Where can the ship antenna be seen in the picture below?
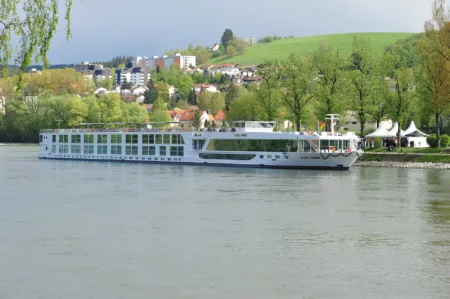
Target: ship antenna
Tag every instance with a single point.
(332, 118)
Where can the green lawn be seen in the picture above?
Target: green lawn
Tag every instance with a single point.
(281, 49)
(427, 150)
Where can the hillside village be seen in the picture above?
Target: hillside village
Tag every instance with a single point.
(132, 80)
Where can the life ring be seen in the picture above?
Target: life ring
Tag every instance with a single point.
(331, 148)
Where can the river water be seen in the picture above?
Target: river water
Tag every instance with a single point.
(110, 230)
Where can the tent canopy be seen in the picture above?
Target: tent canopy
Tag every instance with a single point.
(380, 132)
(412, 131)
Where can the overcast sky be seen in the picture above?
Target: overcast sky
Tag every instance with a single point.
(102, 29)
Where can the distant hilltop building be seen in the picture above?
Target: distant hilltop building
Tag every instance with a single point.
(90, 70)
(184, 62)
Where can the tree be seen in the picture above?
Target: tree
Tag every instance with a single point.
(162, 91)
(185, 84)
(269, 92)
(434, 72)
(400, 100)
(362, 78)
(329, 90)
(192, 97)
(241, 46)
(231, 51)
(298, 86)
(151, 94)
(126, 85)
(197, 121)
(227, 37)
(231, 94)
(245, 107)
(34, 24)
(212, 101)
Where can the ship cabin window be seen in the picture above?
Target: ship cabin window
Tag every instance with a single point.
(54, 149)
(102, 149)
(132, 139)
(148, 139)
(177, 139)
(162, 150)
(148, 150)
(54, 138)
(131, 150)
(102, 139)
(116, 150)
(63, 139)
(176, 151)
(116, 139)
(76, 138)
(227, 156)
(250, 145)
(89, 149)
(89, 139)
(166, 139)
(63, 148)
(75, 149)
(158, 139)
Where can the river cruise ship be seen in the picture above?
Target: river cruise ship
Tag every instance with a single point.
(244, 144)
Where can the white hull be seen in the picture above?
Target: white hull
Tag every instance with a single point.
(288, 150)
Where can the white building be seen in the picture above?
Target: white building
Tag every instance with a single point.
(138, 76)
(183, 61)
(206, 87)
(230, 71)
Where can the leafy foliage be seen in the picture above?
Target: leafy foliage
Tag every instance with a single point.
(227, 37)
(34, 23)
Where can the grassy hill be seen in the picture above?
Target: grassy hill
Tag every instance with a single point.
(281, 49)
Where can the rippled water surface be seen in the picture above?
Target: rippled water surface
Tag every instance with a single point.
(109, 230)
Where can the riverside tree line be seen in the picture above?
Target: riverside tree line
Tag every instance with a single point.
(302, 89)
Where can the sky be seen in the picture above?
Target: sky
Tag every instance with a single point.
(102, 29)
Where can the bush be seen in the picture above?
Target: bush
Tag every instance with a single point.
(445, 140)
(432, 140)
(377, 142)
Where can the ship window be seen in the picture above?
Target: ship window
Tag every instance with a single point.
(250, 145)
(227, 156)
(116, 150)
(148, 139)
(63, 148)
(63, 139)
(116, 139)
(132, 139)
(148, 150)
(162, 150)
(102, 149)
(176, 151)
(76, 138)
(131, 150)
(166, 139)
(75, 149)
(159, 139)
(54, 148)
(102, 139)
(88, 149)
(54, 138)
(89, 139)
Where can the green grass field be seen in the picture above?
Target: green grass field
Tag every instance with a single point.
(281, 49)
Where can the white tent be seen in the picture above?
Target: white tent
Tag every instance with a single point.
(380, 132)
(393, 132)
(412, 131)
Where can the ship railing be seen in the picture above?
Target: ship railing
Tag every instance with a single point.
(115, 130)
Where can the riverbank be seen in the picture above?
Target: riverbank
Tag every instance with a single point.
(405, 160)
